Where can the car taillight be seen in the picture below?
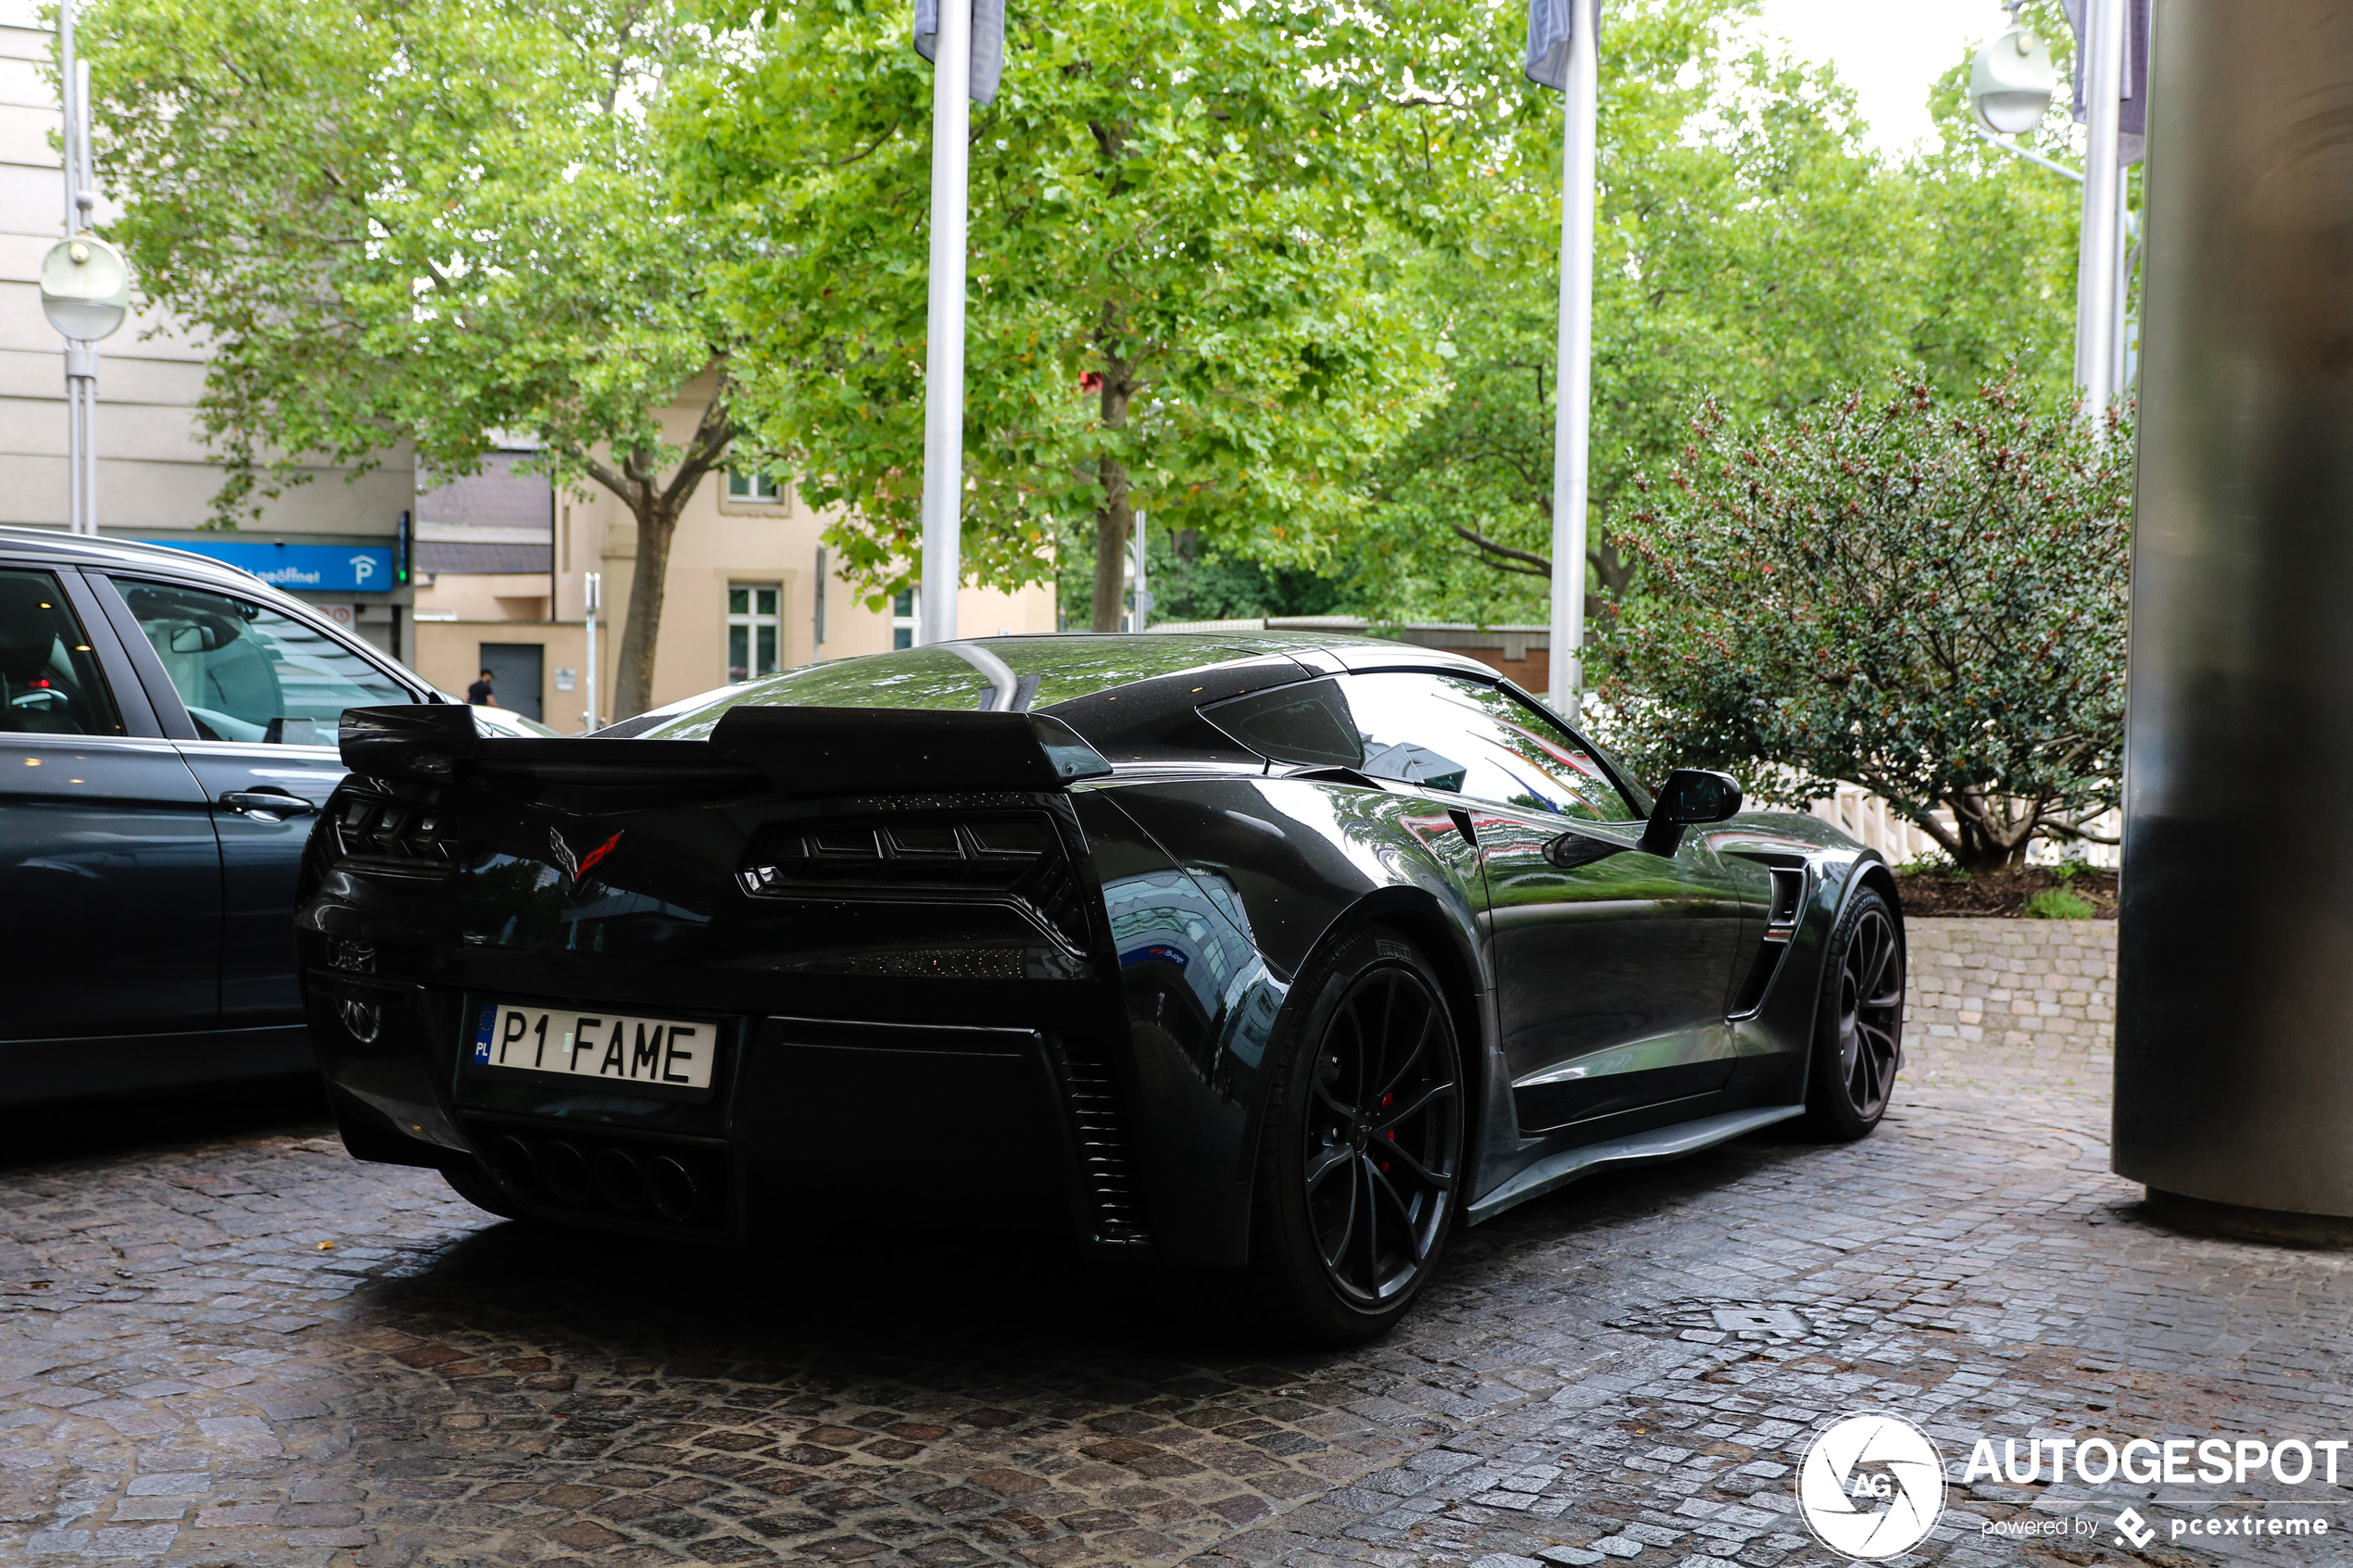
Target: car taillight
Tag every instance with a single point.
(1017, 857)
(394, 833)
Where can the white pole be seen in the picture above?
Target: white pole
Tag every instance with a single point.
(82, 358)
(2117, 355)
(1142, 600)
(1573, 374)
(2096, 263)
(67, 78)
(593, 585)
(944, 346)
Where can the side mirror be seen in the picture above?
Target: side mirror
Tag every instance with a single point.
(1690, 795)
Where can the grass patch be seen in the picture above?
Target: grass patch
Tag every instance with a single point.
(2060, 903)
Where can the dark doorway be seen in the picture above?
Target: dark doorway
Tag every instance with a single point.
(514, 675)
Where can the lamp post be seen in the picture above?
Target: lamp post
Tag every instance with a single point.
(85, 286)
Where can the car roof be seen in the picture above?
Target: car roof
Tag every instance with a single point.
(1071, 674)
(88, 549)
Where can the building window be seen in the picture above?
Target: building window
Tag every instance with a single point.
(755, 631)
(902, 619)
(752, 485)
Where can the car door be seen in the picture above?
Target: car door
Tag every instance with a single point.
(112, 876)
(256, 695)
(1611, 963)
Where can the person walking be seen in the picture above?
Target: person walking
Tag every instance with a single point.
(480, 695)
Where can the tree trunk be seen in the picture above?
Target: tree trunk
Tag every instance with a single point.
(641, 630)
(657, 509)
(1985, 839)
(1113, 519)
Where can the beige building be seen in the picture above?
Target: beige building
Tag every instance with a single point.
(502, 567)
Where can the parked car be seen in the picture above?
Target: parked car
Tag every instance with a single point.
(1272, 957)
(168, 729)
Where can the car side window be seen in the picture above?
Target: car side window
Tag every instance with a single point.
(248, 672)
(1478, 740)
(48, 673)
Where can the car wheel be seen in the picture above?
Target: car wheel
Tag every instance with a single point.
(1360, 1165)
(479, 1190)
(1860, 1029)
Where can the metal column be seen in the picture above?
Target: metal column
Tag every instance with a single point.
(2235, 1032)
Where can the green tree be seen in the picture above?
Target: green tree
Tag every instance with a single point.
(1920, 594)
(431, 221)
(1750, 252)
(1186, 267)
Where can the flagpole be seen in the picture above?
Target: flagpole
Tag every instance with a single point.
(1573, 371)
(944, 346)
(2098, 259)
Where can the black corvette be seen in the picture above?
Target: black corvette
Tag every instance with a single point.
(1269, 958)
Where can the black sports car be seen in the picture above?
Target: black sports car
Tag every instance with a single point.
(1272, 957)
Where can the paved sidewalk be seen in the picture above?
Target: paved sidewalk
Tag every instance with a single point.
(253, 1351)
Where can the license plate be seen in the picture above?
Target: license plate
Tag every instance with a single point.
(665, 1052)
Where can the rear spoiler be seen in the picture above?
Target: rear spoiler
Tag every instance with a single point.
(806, 750)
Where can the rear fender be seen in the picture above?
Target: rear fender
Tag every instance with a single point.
(1287, 866)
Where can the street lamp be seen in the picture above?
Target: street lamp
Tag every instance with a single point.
(85, 286)
(2012, 82)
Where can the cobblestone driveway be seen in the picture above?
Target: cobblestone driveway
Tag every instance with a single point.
(251, 1351)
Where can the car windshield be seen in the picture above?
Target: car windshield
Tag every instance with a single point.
(1053, 668)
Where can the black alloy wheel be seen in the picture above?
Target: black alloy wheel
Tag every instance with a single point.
(1859, 1040)
(1361, 1165)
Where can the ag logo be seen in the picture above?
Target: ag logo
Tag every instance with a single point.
(1873, 1485)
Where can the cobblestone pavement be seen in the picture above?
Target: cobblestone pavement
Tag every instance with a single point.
(250, 1350)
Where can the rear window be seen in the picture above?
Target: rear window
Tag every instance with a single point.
(1063, 668)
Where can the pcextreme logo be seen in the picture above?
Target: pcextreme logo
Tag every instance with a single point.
(1871, 1485)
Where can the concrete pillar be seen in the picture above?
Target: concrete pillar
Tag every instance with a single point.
(2234, 1026)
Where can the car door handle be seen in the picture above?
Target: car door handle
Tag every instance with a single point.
(267, 805)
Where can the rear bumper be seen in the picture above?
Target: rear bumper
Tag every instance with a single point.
(811, 1120)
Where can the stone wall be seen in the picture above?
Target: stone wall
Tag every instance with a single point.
(2042, 988)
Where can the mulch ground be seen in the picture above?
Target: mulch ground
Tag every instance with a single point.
(2002, 894)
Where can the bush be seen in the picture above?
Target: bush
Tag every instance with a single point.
(1923, 598)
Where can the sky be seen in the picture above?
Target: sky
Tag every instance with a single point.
(1890, 52)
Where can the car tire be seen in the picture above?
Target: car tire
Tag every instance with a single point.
(1361, 1160)
(480, 1190)
(1858, 1028)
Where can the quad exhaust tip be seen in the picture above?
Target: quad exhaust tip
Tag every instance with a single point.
(613, 1178)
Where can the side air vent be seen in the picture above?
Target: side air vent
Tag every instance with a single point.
(377, 832)
(1781, 925)
(1106, 1172)
(1011, 857)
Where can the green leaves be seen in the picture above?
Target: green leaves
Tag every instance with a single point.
(1180, 295)
(425, 222)
(1749, 251)
(1920, 595)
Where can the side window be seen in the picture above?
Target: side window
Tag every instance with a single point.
(1476, 740)
(248, 672)
(1308, 723)
(48, 672)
